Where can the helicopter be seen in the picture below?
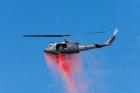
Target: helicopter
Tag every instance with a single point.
(72, 47)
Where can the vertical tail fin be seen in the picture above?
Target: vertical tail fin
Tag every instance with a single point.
(111, 39)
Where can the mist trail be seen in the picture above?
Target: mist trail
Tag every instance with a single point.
(70, 67)
(66, 69)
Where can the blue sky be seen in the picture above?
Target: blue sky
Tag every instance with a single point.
(22, 65)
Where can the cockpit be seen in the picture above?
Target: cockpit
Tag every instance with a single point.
(50, 45)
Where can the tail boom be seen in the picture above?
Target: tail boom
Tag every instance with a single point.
(107, 43)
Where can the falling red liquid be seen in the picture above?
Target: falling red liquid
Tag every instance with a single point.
(68, 65)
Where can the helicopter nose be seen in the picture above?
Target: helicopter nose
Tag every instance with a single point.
(45, 51)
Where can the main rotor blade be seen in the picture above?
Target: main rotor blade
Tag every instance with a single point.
(100, 32)
(65, 35)
(46, 35)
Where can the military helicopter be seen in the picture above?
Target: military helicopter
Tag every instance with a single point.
(72, 47)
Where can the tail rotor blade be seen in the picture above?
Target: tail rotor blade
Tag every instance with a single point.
(115, 31)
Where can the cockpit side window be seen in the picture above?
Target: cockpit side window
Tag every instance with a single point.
(50, 45)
